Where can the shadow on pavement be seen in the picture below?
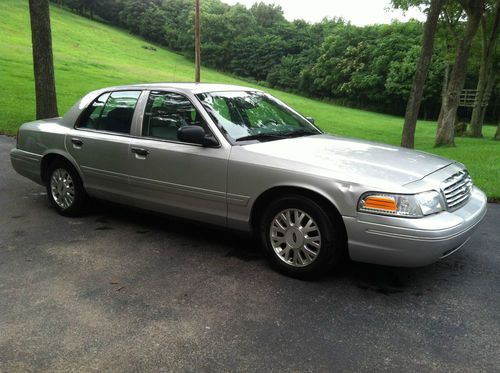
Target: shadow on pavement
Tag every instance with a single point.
(372, 278)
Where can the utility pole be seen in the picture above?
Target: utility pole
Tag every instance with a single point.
(197, 42)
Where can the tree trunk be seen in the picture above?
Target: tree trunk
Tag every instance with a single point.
(490, 86)
(495, 107)
(497, 134)
(451, 41)
(485, 71)
(444, 89)
(445, 130)
(417, 90)
(43, 64)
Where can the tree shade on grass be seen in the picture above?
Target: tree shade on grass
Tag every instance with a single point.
(89, 55)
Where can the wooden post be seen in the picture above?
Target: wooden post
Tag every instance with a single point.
(197, 42)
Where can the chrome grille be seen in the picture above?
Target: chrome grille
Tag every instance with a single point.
(457, 189)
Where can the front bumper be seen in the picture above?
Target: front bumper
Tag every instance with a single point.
(407, 242)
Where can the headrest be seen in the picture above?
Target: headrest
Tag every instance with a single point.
(121, 114)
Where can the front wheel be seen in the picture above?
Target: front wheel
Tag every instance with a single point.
(301, 238)
(65, 189)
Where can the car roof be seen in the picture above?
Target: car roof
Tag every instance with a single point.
(194, 88)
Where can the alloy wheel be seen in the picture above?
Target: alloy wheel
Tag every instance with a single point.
(62, 188)
(295, 237)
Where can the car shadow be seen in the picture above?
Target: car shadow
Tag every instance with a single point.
(239, 244)
(372, 278)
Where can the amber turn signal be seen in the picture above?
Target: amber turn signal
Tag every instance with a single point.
(380, 203)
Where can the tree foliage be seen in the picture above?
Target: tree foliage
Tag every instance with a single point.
(371, 66)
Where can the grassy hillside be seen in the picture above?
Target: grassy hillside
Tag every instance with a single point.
(89, 55)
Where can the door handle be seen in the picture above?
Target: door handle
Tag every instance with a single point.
(77, 142)
(140, 151)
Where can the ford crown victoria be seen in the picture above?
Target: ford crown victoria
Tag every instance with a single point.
(238, 158)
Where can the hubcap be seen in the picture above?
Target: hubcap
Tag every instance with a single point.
(295, 237)
(62, 188)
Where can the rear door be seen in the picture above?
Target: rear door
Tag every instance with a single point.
(100, 143)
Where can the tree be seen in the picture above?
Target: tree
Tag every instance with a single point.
(417, 90)
(486, 71)
(256, 56)
(267, 15)
(445, 130)
(400, 77)
(43, 64)
(372, 67)
(179, 30)
(451, 27)
(355, 64)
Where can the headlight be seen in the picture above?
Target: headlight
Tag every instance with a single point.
(404, 205)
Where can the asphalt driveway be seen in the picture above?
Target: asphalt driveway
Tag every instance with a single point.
(123, 290)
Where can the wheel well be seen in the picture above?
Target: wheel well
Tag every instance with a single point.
(269, 195)
(47, 160)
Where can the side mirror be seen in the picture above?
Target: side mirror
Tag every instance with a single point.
(310, 119)
(195, 135)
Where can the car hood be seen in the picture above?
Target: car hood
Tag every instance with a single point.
(350, 160)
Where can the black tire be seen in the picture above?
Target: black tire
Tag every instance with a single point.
(79, 195)
(331, 232)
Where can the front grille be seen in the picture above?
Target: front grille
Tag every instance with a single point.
(457, 189)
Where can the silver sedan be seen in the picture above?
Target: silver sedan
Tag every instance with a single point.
(238, 158)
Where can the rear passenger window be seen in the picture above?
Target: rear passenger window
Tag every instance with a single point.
(166, 112)
(111, 112)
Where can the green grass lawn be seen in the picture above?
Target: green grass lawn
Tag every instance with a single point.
(89, 55)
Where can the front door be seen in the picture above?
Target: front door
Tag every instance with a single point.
(177, 178)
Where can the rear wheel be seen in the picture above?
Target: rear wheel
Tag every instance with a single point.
(64, 188)
(300, 237)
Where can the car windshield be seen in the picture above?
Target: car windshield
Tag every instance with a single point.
(254, 116)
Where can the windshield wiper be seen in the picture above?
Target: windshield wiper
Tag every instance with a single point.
(278, 135)
(299, 133)
(262, 136)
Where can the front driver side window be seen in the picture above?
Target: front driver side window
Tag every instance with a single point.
(166, 112)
